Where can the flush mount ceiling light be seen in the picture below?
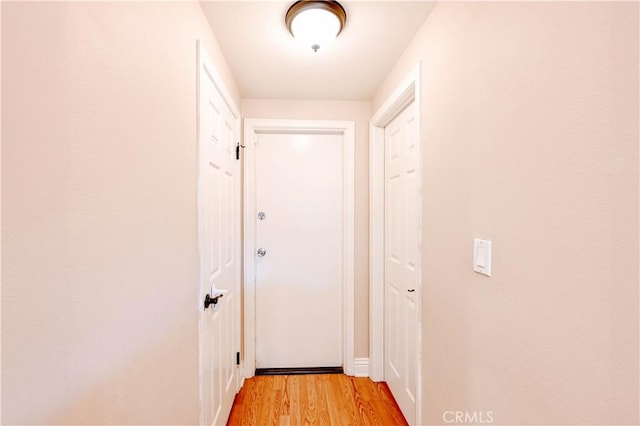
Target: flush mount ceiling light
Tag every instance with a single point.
(315, 23)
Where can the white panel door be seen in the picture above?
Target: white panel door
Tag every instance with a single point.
(298, 281)
(218, 248)
(401, 260)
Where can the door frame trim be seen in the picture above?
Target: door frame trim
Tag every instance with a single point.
(253, 127)
(407, 91)
(205, 64)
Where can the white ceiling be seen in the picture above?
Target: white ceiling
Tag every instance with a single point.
(268, 63)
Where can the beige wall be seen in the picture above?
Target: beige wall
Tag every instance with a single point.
(99, 306)
(530, 133)
(360, 112)
(0, 212)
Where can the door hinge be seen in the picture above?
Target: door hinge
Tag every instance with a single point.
(237, 358)
(238, 146)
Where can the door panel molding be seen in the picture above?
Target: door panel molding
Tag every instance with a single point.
(252, 128)
(407, 91)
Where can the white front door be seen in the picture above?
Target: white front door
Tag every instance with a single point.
(299, 225)
(401, 260)
(218, 247)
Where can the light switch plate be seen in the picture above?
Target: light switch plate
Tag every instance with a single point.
(482, 256)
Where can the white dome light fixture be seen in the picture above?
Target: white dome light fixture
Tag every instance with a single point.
(314, 22)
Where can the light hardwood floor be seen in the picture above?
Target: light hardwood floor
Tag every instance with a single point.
(314, 399)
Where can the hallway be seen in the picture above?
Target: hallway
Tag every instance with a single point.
(315, 399)
(134, 137)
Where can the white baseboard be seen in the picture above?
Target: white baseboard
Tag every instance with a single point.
(361, 367)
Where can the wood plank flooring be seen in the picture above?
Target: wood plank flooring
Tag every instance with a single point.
(314, 399)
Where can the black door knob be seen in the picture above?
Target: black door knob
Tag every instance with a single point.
(208, 300)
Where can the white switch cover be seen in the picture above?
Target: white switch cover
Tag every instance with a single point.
(482, 256)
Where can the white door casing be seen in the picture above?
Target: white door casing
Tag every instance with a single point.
(219, 243)
(407, 92)
(401, 258)
(252, 129)
(298, 190)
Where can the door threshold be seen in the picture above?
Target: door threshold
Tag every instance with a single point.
(297, 371)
